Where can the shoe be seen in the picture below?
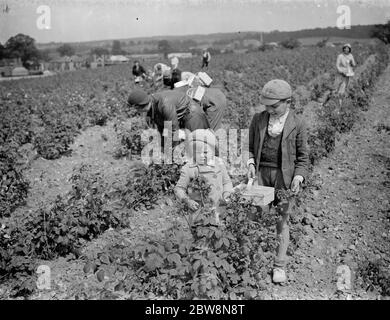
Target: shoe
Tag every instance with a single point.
(279, 275)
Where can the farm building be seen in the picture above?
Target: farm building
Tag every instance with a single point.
(118, 59)
(7, 65)
(251, 43)
(19, 71)
(146, 56)
(6, 71)
(67, 63)
(180, 55)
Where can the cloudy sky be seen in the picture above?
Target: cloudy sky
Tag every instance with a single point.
(84, 20)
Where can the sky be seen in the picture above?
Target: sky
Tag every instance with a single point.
(88, 20)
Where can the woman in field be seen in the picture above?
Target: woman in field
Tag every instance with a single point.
(345, 62)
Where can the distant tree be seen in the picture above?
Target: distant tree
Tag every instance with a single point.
(2, 51)
(322, 43)
(99, 51)
(164, 46)
(66, 50)
(116, 48)
(23, 47)
(290, 43)
(44, 54)
(382, 32)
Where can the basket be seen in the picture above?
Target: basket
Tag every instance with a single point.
(260, 195)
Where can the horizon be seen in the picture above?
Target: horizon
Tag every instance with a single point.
(70, 21)
(188, 35)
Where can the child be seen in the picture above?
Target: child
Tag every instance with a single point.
(201, 149)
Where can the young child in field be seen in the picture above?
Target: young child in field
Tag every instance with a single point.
(201, 149)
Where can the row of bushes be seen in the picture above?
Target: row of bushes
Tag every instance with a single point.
(333, 118)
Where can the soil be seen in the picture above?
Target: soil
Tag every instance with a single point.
(345, 222)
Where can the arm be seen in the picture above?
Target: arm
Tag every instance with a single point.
(180, 189)
(339, 65)
(353, 62)
(252, 138)
(302, 157)
(169, 113)
(197, 120)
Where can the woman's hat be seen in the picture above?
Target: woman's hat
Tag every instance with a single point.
(347, 45)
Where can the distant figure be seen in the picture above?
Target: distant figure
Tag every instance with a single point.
(201, 149)
(176, 72)
(162, 72)
(206, 56)
(139, 72)
(345, 62)
(174, 62)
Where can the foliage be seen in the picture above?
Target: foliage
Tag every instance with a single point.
(99, 51)
(164, 46)
(66, 50)
(375, 276)
(59, 229)
(382, 32)
(13, 187)
(21, 46)
(149, 184)
(116, 48)
(130, 136)
(290, 43)
(201, 259)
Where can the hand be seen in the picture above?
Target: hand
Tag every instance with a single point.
(251, 171)
(296, 184)
(193, 205)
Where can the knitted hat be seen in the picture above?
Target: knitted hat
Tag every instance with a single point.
(205, 136)
(274, 91)
(138, 97)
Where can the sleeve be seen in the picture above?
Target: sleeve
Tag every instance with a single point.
(197, 120)
(133, 71)
(339, 64)
(169, 113)
(180, 189)
(302, 161)
(252, 138)
(353, 61)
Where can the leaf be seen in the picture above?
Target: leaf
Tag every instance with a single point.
(153, 262)
(232, 296)
(174, 257)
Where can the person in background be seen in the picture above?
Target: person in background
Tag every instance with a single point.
(139, 72)
(206, 57)
(201, 149)
(278, 154)
(169, 105)
(345, 63)
(176, 72)
(212, 100)
(162, 74)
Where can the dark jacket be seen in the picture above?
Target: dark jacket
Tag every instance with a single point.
(295, 154)
(177, 107)
(214, 103)
(138, 72)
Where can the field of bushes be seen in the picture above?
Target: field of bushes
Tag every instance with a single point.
(192, 259)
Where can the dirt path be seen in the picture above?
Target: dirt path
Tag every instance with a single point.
(348, 220)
